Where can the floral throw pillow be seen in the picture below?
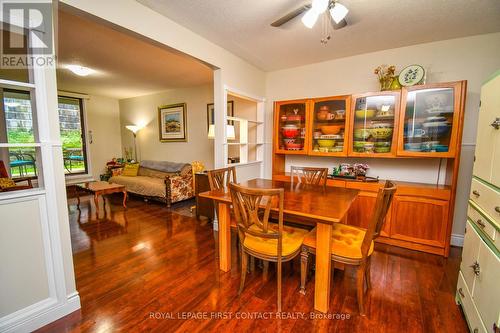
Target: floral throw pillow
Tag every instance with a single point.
(116, 172)
(6, 183)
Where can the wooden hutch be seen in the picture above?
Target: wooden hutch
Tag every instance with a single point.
(422, 121)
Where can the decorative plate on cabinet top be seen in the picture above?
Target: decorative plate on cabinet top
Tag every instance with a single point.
(411, 75)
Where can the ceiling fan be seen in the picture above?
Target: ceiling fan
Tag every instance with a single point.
(337, 12)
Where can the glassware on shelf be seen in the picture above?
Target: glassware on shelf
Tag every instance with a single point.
(428, 120)
(329, 125)
(292, 126)
(373, 124)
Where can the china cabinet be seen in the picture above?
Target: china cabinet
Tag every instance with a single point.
(373, 124)
(478, 287)
(422, 121)
(430, 120)
(328, 126)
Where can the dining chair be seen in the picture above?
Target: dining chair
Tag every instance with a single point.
(220, 178)
(308, 175)
(352, 245)
(258, 237)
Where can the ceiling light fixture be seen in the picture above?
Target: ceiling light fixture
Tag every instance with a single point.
(310, 18)
(80, 70)
(320, 5)
(338, 12)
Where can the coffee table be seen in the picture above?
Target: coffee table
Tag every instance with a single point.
(98, 189)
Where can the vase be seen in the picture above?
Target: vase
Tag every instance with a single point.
(385, 83)
(395, 85)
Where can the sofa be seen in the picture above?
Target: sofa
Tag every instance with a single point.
(168, 182)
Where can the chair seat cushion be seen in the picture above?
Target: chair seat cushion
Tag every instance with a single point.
(346, 241)
(292, 241)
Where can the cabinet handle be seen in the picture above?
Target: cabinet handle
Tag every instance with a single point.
(476, 268)
(481, 224)
(497, 209)
(476, 193)
(496, 123)
(461, 292)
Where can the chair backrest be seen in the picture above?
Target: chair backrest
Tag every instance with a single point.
(3, 170)
(308, 175)
(220, 178)
(249, 204)
(384, 199)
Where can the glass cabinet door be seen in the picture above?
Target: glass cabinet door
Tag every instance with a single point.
(429, 121)
(291, 127)
(374, 118)
(329, 126)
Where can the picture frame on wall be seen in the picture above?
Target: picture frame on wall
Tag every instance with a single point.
(172, 123)
(211, 113)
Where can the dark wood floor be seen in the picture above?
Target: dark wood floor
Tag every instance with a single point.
(148, 268)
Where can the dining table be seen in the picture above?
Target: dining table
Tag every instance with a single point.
(319, 205)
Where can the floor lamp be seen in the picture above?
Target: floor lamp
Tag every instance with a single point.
(134, 129)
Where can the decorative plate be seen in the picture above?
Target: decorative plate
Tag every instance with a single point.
(411, 75)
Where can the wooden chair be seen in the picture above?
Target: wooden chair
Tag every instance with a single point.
(220, 178)
(258, 237)
(352, 245)
(5, 174)
(307, 175)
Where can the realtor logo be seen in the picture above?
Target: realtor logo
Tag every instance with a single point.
(27, 37)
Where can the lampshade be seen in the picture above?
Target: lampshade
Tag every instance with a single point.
(211, 131)
(133, 128)
(310, 18)
(338, 12)
(319, 6)
(230, 133)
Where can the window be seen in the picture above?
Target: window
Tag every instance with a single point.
(19, 127)
(71, 122)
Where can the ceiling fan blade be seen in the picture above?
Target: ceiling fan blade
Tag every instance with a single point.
(290, 16)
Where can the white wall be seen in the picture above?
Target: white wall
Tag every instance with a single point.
(103, 120)
(143, 110)
(472, 59)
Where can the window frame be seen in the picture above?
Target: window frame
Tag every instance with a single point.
(77, 176)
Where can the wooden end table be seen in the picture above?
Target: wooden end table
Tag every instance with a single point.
(98, 189)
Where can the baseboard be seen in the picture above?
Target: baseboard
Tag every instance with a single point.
(457, 240)
(39, 315)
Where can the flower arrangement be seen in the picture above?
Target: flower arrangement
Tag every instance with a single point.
(385, 76)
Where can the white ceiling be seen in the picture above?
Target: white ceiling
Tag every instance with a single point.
(125, 65)
(243, 27)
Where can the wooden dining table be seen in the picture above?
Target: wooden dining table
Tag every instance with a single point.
(314, 204)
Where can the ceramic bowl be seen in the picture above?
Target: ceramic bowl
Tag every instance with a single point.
(336, 149)
(416, 146)
(330, 129)
(362, 114)
(325, 143)
(359, 144)
(383, 144)
(436, 129)
(293, 146)
(362, 133)
(382, 132)
(290, 131)
(286, 140)
(441, 148)
(382, 149)
(294, 117)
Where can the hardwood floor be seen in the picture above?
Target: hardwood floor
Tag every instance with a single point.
(149, 268)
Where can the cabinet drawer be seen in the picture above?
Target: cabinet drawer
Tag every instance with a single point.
(471, 313)
(481, 222)
(487, 198)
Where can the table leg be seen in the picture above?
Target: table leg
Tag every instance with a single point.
(124, 199)
(77, 192)
(224, 237)
(96, 201)
(323, 267)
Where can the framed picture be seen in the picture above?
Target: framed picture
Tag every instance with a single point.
(172, 123)
(211, 113)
